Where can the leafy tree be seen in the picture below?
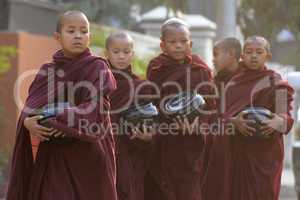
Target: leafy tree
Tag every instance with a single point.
(269, 17)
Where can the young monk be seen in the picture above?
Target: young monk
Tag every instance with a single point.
(257, 162)
(178, 165)
(132, 149)
(75, 159)
(226, 56)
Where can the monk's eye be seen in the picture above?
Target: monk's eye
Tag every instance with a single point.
(116, 51)
(127, 51)
(70, 31)
(171, 41)
(84, 31)
(184, 41)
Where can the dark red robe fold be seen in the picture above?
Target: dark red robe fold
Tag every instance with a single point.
(218, 149)
(257, 163)
(80, 166)
(177, 165)
(132, 155)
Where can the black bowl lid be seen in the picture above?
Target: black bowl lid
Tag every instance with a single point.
(258, 112)
(184, 101)
(141, 110)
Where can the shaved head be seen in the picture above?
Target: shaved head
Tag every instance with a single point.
(260, 40)
(171, 24)
(228, 44)
(68, 15)
(118, 35)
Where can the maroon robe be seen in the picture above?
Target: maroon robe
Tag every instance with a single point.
(257, 163)
(177, 165)
(132, 155)
(80, 166)
(218, 149)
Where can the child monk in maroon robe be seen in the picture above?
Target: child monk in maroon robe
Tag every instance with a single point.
(257, 162)
(226, 56)
(75, 159)
(179, 160)
(132, 150)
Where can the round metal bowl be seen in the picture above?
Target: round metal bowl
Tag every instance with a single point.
(258, 115)
(184, 104)
(140, 114)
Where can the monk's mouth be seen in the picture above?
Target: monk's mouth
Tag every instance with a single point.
(77, 45)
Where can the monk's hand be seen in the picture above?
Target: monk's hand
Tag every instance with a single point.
(242, 124)
(146, 134)
(276, 123)
(36, 130)
(185, 125)
(58, 134)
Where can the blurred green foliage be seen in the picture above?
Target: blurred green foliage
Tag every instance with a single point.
(6, 53)
(269, 17)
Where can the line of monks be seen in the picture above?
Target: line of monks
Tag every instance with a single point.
(216, 156)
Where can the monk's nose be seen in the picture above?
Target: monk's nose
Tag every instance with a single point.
(178, 45)
(78, 35)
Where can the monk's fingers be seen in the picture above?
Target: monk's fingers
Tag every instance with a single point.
(43, 128)
(140, 130)
(267, 132)
(145, 137)
(250, 129)
(247, 133)
(267, 122)
(241, 115)
(245, 130)
(132, 136)
(134, 133)
(53, 132)
(44, 133)
(265, 127)
(145, 129)
(58, 134)
(36, 117)
(181, 120)
(196, 120)
(243, 127)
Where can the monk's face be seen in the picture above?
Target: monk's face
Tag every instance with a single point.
(74, 36)
(176, 43)
(255, 55)
(120, 53)
(222, 59)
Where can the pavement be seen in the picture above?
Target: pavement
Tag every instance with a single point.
(287, 185)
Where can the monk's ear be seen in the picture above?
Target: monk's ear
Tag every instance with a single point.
(105, 53)
(162, 46)
(57, 36)
(242, 57)
(191, 44)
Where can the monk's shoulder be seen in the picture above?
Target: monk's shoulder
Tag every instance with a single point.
(99, 63)
(155, 63)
